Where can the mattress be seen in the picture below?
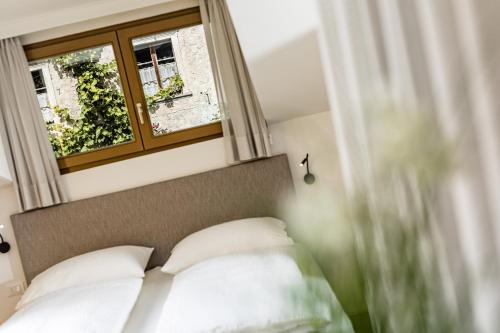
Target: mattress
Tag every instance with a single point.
(148, 308)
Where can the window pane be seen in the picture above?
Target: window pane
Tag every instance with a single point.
(143, 56)
(164, 50)
(82, 100)
(178, 83)
(38, 79)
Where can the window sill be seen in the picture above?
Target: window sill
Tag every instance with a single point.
(173, 98)
(65, 170)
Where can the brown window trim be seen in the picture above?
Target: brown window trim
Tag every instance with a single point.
(65, 170)
(119, 36)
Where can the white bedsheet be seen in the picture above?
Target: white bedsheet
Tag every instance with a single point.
(272, 290)
(94, 308)
(148, 308)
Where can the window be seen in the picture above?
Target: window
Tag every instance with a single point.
(39, 81)
(155, 62)
(179, 93)
(45, 97)
(40, 88)
(90, 112)
(124, 91)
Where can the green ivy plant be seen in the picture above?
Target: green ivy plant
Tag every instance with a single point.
(103, 119)
(166, 94)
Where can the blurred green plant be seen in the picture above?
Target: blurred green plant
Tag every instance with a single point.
(395, 214)
(103, 118)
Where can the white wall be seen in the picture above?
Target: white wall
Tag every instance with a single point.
(5, 177)
(10, 268)
(316, 221)
(146, 169)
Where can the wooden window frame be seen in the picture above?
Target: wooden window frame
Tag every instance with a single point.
(125, 36)
(99, 39)
(120, 36)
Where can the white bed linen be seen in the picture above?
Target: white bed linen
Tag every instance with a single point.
(226, 238)
(272, 290)
(148, 308)
(102, 307)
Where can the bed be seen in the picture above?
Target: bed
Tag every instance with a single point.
(230, 292)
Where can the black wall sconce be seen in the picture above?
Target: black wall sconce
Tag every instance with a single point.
(309, 177)
(4, 246)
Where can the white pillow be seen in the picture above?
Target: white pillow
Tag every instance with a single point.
(97, 266)
(226, 238)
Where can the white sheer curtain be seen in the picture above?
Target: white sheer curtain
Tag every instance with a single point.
(441, 57)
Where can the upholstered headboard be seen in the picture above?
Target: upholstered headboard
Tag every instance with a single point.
(157, 215)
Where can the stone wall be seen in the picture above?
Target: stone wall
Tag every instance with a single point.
(198, 103)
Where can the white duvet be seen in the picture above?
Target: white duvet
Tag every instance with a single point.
(271, 290)
(95, 308)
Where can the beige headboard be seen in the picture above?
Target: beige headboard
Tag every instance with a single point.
(157, 215)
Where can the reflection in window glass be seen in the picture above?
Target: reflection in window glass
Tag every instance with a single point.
(82, 101)
(176, 78)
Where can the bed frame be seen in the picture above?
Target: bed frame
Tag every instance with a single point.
(157, 215)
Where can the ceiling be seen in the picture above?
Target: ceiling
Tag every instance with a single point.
(281, 46)
(279, 42)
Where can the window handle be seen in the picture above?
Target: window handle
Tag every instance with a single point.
(140, 112)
